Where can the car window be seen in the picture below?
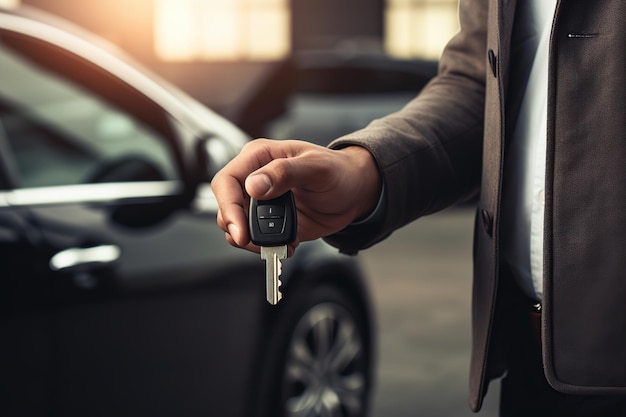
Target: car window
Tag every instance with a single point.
(69, 122)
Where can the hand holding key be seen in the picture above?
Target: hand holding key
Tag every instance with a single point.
(273, 225)
(331, 187)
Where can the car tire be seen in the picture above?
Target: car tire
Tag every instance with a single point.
(323, 356)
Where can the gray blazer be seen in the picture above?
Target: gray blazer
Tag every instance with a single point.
(447, 145)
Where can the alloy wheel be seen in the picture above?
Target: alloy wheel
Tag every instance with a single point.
(326, 365)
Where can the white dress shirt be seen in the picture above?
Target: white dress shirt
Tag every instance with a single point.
(525, 154)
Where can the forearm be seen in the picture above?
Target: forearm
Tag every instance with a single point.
(429, 154)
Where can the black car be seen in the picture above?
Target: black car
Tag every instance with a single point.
(119, 295)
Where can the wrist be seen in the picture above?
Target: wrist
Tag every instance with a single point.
(369, 184)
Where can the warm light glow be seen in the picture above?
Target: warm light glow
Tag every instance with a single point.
(220, 34)
(268, 34)
(419, 28)
(10, 4)
(173, 28)
(222, 29)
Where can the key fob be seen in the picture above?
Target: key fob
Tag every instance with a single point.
(273, 222)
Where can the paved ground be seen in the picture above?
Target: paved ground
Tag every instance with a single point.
(421, 284)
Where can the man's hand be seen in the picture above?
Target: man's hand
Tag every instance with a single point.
(332, 188)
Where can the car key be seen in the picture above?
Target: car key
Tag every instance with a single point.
(273, 225)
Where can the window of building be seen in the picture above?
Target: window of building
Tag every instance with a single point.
(222, 29)
(419, 28)
(10, 4)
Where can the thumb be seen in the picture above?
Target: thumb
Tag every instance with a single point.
(276, 177)
(258, 184)
(295, 164)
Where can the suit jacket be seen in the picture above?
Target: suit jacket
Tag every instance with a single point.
(448, 144)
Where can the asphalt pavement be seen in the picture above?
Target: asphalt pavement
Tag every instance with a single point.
(420, 279)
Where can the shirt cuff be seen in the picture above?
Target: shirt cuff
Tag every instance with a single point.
(375, 213)
(362, 233)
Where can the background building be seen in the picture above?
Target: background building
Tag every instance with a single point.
(237, 56)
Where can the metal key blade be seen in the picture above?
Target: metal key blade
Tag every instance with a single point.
(272, 255)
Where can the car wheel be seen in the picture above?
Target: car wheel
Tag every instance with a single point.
(325, 366)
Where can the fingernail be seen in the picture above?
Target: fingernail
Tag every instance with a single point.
(258, 184)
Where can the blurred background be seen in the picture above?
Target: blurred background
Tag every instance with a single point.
(249, 59)
(316, 70)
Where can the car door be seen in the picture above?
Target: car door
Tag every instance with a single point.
(133, 303)
(24, 319)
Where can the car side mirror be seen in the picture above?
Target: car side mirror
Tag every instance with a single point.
(213, 153)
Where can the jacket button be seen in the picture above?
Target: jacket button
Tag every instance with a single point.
(493, 62)
(487, 221)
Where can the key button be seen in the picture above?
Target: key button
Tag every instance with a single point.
(270, 212)
(271, 226)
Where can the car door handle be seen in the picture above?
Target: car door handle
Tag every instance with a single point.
(73, 257)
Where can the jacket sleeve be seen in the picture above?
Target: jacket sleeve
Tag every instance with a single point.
(429, 153)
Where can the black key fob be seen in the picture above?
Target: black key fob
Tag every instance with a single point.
(273, 222)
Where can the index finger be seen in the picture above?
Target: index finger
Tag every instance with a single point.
(228, 187)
